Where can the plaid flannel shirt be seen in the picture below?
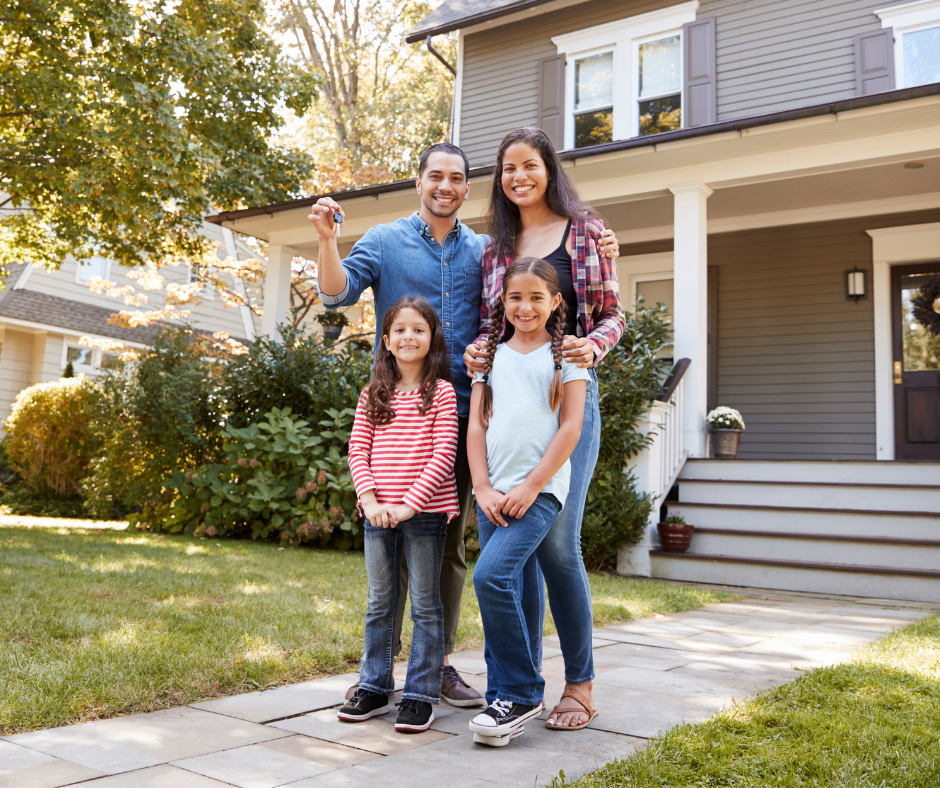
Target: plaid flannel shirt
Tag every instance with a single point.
(600, 313)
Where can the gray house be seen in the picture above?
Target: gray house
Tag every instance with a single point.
(772, 171)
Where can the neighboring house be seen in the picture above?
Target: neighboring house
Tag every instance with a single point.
(44, 314)
(772, 171)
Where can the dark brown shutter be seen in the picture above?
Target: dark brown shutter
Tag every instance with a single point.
(874, 62)
(552, 99)
(699, 88)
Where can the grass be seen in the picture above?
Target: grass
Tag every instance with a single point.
(874, 721)
(96, 623)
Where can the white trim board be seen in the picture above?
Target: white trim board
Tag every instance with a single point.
(892, 246)
(68, 332)
(456, 107)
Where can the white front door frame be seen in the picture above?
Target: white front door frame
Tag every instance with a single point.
(913, 243)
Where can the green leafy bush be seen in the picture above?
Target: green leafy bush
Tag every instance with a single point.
(49, 441)
(630, 377)
(280, 476)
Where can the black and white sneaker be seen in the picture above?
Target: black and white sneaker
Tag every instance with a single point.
(414, 716)
(503, 718)
(364, 705)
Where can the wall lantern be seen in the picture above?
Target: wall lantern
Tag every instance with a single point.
(855, 284)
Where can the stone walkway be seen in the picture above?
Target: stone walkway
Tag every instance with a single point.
(651, 675)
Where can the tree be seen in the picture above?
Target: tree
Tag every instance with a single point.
(381, 101)
(122, 122)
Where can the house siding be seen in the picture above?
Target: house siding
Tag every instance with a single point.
(16, 356)
(771, 56)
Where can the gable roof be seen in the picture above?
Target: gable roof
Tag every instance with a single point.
(454, 14)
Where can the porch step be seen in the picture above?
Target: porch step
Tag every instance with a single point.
(829, 495)
(814, 521)
(890, 552)
(834, 471)
(922, 585)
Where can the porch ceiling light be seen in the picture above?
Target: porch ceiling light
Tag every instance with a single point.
(855, 284)
(914, 165)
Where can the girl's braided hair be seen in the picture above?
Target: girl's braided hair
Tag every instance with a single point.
(555, 326)
(385, 373)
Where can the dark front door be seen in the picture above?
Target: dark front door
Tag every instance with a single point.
(916, 367)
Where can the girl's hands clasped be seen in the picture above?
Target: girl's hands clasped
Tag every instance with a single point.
(519, 499)
(491, 502)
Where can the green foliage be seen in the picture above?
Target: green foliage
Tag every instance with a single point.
(121, 121)
(279, 477)
(69, 371)
(162, 417)
(18, 498)
(674, 519)
(630, 378)
(50, 440)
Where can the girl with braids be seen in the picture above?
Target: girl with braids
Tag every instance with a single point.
(534, 209)
(526, 409)
(401, 455)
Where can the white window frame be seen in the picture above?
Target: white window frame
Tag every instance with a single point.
(107, 271)
(623, 37)
(635, 65)
(570, 88)
(86, 368)
(908, 18)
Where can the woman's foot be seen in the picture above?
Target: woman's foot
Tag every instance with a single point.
(569, 713)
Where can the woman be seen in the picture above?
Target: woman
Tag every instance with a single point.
(535, 211)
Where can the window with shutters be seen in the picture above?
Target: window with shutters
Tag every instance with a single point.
(625, 79)
(916, 41)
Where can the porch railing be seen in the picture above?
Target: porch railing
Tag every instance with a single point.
(672, 453)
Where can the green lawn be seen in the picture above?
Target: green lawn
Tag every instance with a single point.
(872, 722)
(97, 623)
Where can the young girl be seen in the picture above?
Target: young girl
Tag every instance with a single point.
(525, 420)
(401, 455)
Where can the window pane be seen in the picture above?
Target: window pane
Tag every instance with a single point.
(662, 114)
(659, 67)
(593, 128)
(921, 348)
(922, 57)
(594, 81)
(78, 355)
(110, 361)
(97, 266)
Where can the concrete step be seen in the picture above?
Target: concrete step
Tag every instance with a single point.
(784, 546)
(855, 497)
(841, 472)
(822, 578)
(837, 522)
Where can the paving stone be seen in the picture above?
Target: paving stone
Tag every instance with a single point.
(659, 628)
(801, 654)
(756, 675)
(377, 735)
(647, 714)
(164, 776)
(276, 704)
(275, 763)
(721, 638)
(664, 643)
(720, 690)
(21, 766)
(123, 744)
(472, 666)
(643, 656)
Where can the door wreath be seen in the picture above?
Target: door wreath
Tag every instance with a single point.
(925, 306)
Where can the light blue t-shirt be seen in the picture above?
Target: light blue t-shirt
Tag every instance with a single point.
(522, 424)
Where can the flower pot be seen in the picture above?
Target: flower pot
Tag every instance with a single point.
(332, 331)
(675, 538)
(725, 443)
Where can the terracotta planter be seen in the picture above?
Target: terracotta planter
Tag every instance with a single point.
(675, 538)
(332, 331)
(725, 443)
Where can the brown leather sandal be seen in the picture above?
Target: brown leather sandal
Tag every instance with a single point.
(580, 699)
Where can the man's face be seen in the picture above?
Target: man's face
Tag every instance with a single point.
(443, 185)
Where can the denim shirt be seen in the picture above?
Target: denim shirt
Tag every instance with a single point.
(403, 258)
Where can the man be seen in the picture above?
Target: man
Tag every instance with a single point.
(431, 254)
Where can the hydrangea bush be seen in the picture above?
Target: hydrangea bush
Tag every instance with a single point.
(725, 419)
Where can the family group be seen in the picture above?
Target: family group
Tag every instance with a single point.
(483, 383)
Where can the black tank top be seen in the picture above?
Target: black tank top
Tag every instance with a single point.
(561, 261)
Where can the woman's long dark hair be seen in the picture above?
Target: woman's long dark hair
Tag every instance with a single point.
(503, 215)
(385, 370)
(555, 326)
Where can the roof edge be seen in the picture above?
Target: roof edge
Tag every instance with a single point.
(816, 110)
(417, 34)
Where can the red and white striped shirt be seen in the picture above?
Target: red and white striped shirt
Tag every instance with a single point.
(411, 459)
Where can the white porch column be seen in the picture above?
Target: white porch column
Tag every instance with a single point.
(277, 289)
(690, 319)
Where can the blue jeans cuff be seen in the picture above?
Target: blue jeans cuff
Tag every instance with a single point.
(423, 698)
(518, 699)
(377, 690)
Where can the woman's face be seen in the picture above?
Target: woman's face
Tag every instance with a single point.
(524, 175)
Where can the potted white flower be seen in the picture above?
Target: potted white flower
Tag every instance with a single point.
(726, 426)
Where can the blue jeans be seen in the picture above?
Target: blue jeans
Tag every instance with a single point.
(511, 672)
(422, 539)
(559, 558)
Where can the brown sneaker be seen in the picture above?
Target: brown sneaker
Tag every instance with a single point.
(457, 692)
(352, 691)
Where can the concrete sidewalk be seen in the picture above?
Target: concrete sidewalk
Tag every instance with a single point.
(652, 674)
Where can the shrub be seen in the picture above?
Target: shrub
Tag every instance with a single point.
(280, 478)
(630, 378)
(49, 439)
